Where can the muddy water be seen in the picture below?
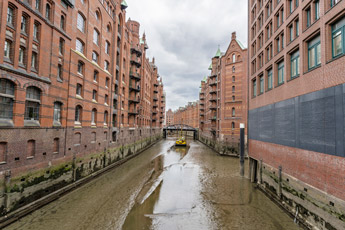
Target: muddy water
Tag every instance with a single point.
(164, 188)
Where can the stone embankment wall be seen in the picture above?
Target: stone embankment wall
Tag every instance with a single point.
(308, 205)
(222, 147)
(37, 187)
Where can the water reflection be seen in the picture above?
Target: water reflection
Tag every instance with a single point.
(173, 200)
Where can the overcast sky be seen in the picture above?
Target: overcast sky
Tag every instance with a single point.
(183, 36)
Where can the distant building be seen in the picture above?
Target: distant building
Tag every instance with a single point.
(188, 115)
(169, 117)
(223, 95)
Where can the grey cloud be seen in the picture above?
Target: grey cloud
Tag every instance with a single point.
(183, 35)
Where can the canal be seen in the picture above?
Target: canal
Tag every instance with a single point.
(164, 188)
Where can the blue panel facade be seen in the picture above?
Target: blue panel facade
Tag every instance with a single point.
(313, 121)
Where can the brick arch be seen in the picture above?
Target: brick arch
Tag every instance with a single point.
(26, 85)
(13, 79)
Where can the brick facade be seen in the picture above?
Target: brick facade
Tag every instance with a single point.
(75, 81)
(188, 115)
(223, 95)
(296, 70)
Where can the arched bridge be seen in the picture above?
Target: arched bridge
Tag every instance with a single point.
(180, 127)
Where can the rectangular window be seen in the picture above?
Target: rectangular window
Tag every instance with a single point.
(334, 2)
(254, 88)
(23, 24)
(317, 9)
(308, 17)
(278, 45)
(338, 41)
(35, 31)
(32, 110)
(269, 79)
(297, 28)
(291, 33)
(61, 46)
(37, 4)
(261, 84)
(10, 16)
(295, 63)
(34, 61)
(7, 49)
(22, 56)
(280, 72)
(59, 72)
(291, 6)
(314, 53)
(57, 111)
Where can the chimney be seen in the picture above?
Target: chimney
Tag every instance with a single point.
(233, 36)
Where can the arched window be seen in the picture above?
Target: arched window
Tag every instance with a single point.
(48, 11)
(233, 112)
(233, 78)
(62, 22)
(106, 118)
(233, 125)
(233, 89)
(234, 58)
(79, 46)
(108, 28)
(95, 56)
(32, 103)
(233, 98)
(97, 15)
(81, 22)
(233, 69)
(57, 111)
(93, 117)
(6, 99)
(78, 114)
(107, 47)
(95, 36)
(106, 65)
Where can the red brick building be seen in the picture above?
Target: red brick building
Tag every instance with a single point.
(223, 95)
(74, 80)
(169, 117)
(188, 115)
(296, 118)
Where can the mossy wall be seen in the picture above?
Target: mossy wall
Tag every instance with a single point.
(28, 187)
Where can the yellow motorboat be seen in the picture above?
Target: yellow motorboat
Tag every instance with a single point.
(181, 142)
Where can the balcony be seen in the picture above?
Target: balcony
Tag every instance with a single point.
(212, 83)
(155, 105)
(154, 112)
(213, 99)
(155, 99)
(136, 50)
(155, 90)
(202, 109)
(134, 88)
(134, 100)
(213, 75)
(155, 84)
(135, 61)
(134, 75)
(133, 112)
(214, 118)
(213, 91)
(213, 107)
